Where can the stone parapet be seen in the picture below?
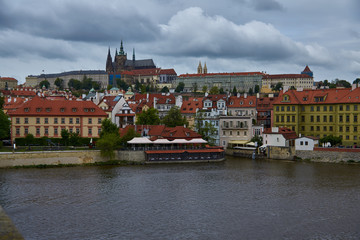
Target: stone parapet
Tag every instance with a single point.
(330, 155)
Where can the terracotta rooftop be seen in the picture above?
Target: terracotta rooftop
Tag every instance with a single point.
(190, 105)
(286, 132)
(221, 74)
(241, 102)
(279, 76)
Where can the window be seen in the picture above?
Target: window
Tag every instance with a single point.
(99, 120)
(288, 118)
(282, 108)
(62, 109)
(288, 108)
(317, 118)
(74, 109)
(62, 120)
(46, 131)
(340, 118)
(347, 118)
(78, 130)
(55, 121)
(17, 120)
(282, 118)
(355, 129)
(347, 137)
(37, 120)
(89, 131)
(325, 108)
(238, 133)
(311, 118)
(89, 120)
(325, 118)
(330, 108)
(331, 128)
(277, 108)
(230, 133)
(302, 118)
(340, 129)
(245, 133)
(324, 128)
(71, 130)
(38, 109)
(318, 108)
(277, 118)
(355, 118)
(26, 109)
(317, 128)
(312, 108)
(26, 120)
(293, 108)
(302, 128)
(312, 128)
(293, 118)
(340, 107)
(355, 107)
(26, 131)
(46, 120)
(55, 131)
(70, 120)
(224, 133)
(77, 120)
(277, 139)
(306, 143)
(303, 108)
(37, 131)
(99, 131)
(347, 107)
(48, 109)
(224, 143)
(301, 143)
(347, 129)
(330, 118)
(17, 131)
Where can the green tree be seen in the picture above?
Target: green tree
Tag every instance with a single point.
(29, 139)
(108, 127)
(95, 85)
(356, 81)
(2, 101)
(130, 134)
(4, 125)
(195, 87)
(257, 88)
(204, 89)
(180, 87)
(107, 144)
(74, 139)
(278, 86)
(234, 91)
(214, 90)
(174, 118)
(65, 135)
(257, 139)
(221, 91)
(149, 117)
(165, 89)
(333, 140)
(143, 89)
(138, 85)
(205, 128)
(74, 83)
(59, 83)
(122, 84)
(45, 83)
(251, 91)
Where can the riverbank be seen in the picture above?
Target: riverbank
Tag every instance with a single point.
(330, 155)
(7, 227)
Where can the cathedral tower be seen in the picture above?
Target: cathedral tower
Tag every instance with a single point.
(109, 66)
(205, 69)
(199, 69)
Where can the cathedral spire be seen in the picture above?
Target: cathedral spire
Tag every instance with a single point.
(205, 69)
(121, 49)
(199, 69)
(109, 66)
(133, 54)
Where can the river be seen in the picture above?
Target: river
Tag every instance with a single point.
(236, 199)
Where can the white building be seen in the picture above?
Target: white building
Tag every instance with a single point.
(306, 143)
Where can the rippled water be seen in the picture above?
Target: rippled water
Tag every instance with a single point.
(238, 199)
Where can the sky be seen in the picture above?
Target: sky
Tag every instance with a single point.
(272, 36)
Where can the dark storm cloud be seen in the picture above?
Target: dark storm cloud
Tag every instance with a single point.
(266, 5)
(76, 21)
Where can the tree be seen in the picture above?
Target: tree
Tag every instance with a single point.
(108, 127)
(107, 144)
(251, 91)
(195, 87)
(130, 134)
(356, 81)
(180, 87)
(278, 86)
(137, 85)
(74, 139)
(29, 139)
(59, 82)
(333, 140)
(221, 91)
(122, 84)
(258, 139)
(45, 83)
(74, 83)
(257, 88)
(4, 125)
(2, 101)
(214, 90)
(165, 89)
(174, 118)
(234, 91)
(149, 117)
(65, 135)
(95, 85)
(204, 89)
(204, 128)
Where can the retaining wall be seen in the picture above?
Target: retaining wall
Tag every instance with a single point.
(330, 155)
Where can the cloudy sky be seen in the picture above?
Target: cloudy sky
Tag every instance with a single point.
(275, 36)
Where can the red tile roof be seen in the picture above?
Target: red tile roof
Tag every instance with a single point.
(279, 76)
(8, 79)
(170, 71)
(307, 69)
(44, 107)
(207, 150)
(221, 74)
(189, 106)
(23, 93)
(330, 96)
(143, 72)
(241, 102)
(286, 132)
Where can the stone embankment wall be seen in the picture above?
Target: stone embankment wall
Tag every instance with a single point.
(330, 155)
(282, 153)
(64, 157)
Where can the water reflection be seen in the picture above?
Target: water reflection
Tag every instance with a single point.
(238, 199)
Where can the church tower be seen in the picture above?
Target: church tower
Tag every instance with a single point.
(205, 69)
(109, 66)
(120, 59)
(199, 69)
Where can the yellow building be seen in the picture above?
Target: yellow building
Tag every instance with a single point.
(43, 117)
(320, 113)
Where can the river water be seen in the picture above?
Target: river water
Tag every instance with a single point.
(237, 199)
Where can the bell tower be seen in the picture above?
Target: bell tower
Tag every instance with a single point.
(199, 69)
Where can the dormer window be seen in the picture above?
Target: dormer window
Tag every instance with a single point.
(86, 109)
(48, 109)
(26, 109)
(92, 109)
(241, 103)
(231, 103)
(74, 109)
(62, 109)
(250, 102)
(286, 98)
(38, 109)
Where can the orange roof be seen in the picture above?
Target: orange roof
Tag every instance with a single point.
(206, 150)
(8, 79)
(170, 71)
(330, 96)
(190, 105)
(146, 72)
(237, 102)
(220, 74)
(13, 103)
(307, 69)
(22, 92)
(278, 76)
(286, 132)
(44, 107)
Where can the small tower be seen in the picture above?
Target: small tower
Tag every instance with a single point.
(120, 59)
(205, 69)
(307, 71)
(109, 66)
(199, 69)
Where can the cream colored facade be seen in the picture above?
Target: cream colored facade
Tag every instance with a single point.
(289, 80)
(10, 82)
(51, 126)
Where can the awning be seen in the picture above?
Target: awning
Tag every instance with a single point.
(140, 140)
(180, 141)
(161, 141)
(238, 141)
(251, 144)
(197, 140)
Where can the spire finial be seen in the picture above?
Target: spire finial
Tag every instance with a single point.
(133, 54)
